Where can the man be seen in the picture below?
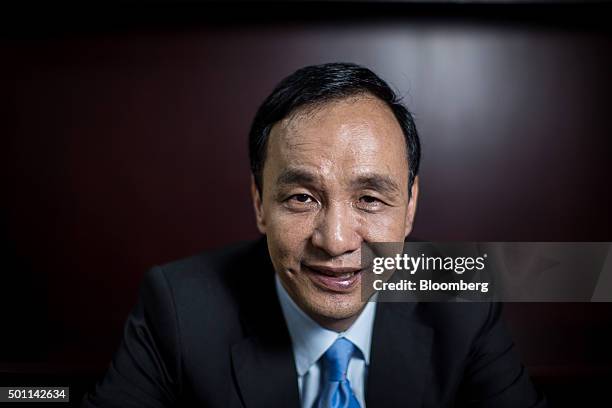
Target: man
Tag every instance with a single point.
(281, 322)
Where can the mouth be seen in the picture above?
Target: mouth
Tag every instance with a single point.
(340, 280)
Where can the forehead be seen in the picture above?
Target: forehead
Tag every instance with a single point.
(343, 137)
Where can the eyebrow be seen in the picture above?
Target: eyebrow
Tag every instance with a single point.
(296, 176)
(372, 181)
(377, 182)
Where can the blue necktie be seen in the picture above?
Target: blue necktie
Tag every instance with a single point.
(336, 392)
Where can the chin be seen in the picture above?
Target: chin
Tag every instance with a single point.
(321, 304)
(337, 307)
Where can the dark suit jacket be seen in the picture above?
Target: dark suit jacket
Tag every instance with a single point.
(208, 331)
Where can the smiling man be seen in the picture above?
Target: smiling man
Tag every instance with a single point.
(335, 176)
(282, 322)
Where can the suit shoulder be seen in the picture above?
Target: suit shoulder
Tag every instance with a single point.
(209, 261)
(464, 321)
(468, 313)
(210, 271)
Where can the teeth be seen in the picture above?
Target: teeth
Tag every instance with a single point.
(345, 275)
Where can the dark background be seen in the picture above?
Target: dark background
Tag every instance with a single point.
(124, 145)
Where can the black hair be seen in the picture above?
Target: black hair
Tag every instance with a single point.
(316, 84)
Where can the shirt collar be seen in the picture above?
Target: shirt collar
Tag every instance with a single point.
(310, 340)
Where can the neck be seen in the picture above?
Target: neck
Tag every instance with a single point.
(337, 325)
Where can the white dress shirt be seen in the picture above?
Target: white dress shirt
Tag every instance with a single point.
(310, 341)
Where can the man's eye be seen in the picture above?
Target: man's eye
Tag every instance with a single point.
(301, 198)
(369, 199)
(369, 203)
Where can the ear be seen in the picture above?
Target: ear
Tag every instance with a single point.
(412, 206)
(258, 206)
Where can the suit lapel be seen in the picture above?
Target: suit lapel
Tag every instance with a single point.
(265, 374)
(400, 363)
(263, 362)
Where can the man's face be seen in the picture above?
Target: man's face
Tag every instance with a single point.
(334, 177)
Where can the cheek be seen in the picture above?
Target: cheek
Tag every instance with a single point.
(289, 233)
(387, 227)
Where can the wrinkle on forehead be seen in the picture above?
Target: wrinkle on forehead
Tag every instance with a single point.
(310, 111)
(362, 134)
(317, 112)
(352, 118)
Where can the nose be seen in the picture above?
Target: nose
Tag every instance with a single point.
(336, 231)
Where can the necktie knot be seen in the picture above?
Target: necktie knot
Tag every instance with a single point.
(336, 359)
(337, 392)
